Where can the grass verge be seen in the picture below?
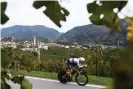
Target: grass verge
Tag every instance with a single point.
(51, 75)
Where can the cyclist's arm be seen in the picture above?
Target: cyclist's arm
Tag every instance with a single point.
(79, 64)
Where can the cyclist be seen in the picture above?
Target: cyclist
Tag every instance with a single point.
(74, 62)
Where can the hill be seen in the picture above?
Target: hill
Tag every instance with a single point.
(27, 32)
(92, 34)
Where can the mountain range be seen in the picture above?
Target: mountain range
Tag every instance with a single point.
(81, 34)
(27, 32)
(94, 34)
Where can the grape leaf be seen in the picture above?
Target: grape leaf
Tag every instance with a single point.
(53, 10)
(4, 18)
(110, 18)
(129, 19)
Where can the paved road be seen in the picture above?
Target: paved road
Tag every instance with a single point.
(41, 83)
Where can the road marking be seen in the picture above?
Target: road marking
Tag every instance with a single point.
(51, 80)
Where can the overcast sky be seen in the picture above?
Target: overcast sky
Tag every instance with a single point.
(21, 12)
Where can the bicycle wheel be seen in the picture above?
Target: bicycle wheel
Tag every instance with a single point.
(61, 78)
(81, 79)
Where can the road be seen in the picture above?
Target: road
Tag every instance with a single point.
(41, 83)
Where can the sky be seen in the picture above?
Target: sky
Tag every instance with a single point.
(21, 12)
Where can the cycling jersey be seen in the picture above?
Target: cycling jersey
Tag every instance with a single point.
(72, 62)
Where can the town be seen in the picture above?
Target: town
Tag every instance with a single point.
(35, 44)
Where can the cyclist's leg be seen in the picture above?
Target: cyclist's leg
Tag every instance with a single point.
(70, 70)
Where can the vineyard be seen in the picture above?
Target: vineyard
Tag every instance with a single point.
(99, 61)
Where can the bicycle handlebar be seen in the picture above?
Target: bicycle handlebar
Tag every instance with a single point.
(82, 66)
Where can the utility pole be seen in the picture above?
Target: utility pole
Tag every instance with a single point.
(38, 50)
(15, 62)
(67, 47)
(118, 43)
(12, 39)
(96, 67)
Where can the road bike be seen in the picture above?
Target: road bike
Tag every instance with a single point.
(80, 76)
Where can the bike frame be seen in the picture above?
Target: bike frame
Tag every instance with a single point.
(78, 71)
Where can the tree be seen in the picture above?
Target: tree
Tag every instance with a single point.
(5, 59)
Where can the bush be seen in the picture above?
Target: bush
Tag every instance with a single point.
(123, 70)
(99, 61)
(26, 84)
(4, 85)
(5, 59)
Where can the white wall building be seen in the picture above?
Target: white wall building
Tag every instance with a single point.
(43, 46)
(9, 44)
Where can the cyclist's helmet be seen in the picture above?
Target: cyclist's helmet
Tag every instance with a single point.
(82, 59)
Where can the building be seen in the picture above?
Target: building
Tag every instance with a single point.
(43, 46)
(8, 42)
(34, 45)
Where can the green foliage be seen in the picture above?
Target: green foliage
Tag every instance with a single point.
(54, 53)
(129, 19)
(60, 54)
(99, 61)
(4, 18)
(20, 46)
(4, 75)
(110, 18)
(123, 70)
(4, 85)
(51, 66)
(26, 84)
(17, 79)
(53, 10)
(5, 59)
(110, 87)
